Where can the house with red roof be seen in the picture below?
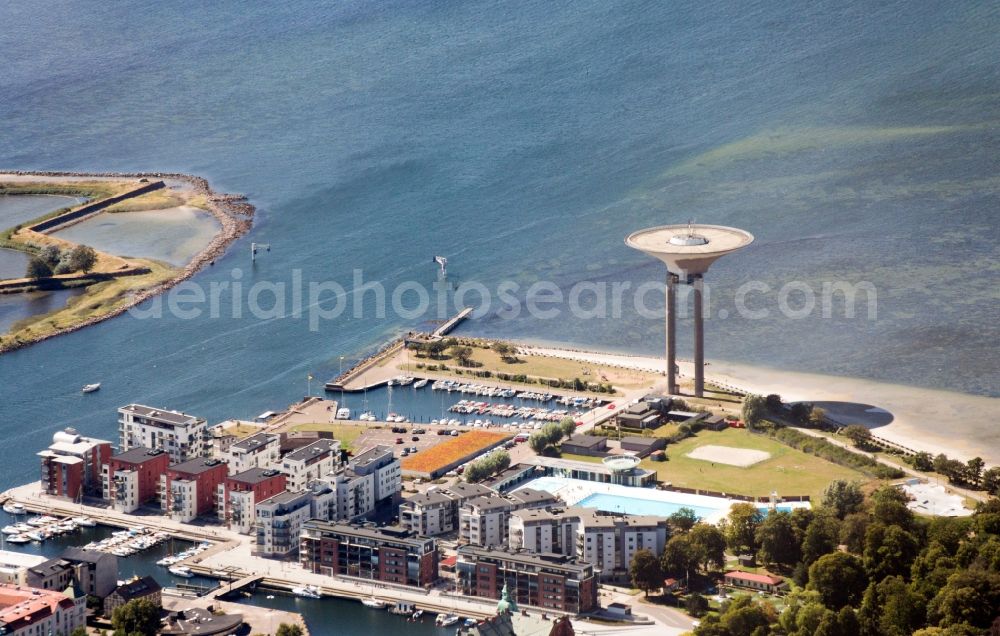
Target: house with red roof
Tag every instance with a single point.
(29, 610)
(752, 581)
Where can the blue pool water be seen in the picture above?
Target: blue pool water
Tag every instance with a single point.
(635, 506)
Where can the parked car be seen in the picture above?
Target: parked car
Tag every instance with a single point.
(454, 433)
(444, 431)
(399, 440)
(414, 439)
(419, 431)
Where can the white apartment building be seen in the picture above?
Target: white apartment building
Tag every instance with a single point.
(607, 541)
(309, 463)
(182, 436)
(367, 480)
(262, 450)
(437, 510)
(280, 518)
(483, 521)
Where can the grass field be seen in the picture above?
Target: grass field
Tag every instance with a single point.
(789, 471)
(156, 200)
(539, 367)
(346, 433)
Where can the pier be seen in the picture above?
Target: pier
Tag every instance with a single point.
(346, 381)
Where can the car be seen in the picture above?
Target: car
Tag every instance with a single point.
(414, 439)
(444, 431)
(454, 433)
(414, 449)
(405, 452)
(419, 431)
(398, 429)
(399, 440)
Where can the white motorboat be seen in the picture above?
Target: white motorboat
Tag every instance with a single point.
(37, 535)
(41, 521)
(344, 414)
(85, 522)
(90, 388)
(373, 603)
(11, 530)
(367, 416)
(14, 508)
(417, 615)
(446, 620)
(419, 384)
(18, 538)
(307, 591)
(182, 571)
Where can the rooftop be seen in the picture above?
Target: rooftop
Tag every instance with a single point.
(540, 560)
(287, 498)
(138, 588)
(532, 496)
(586, 441)
(175, 418)
(317, 448)
(254, 442)
(385, 533)
(21, 605)
(137, 455)
(254, 475)
(197, 466)
(767, 579)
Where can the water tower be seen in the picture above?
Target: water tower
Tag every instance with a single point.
(687, 251)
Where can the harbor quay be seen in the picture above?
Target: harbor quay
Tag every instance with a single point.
(231, 560)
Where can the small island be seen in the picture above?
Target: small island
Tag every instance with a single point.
(122, 238)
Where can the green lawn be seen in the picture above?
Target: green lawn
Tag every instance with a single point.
(789, 471)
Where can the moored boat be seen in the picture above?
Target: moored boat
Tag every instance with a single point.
(14, 508)
(446, 620)
(307, 591)
(182, 571)
(18, 538)
(373, 603)
(90, 388)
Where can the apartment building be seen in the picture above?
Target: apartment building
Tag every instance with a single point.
(27, 611)
(547, 581)
(280, 518)
(485, 520)
(71, 465)
(183, 437)
(436, 511)
(262, 450)
(239, 494)
(541, 531)
(368, 479)
(310, 463)
(132, 478)
(189, 490)
(389, 554)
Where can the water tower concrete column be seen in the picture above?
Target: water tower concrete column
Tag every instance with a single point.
(671, 318)
(699, 337)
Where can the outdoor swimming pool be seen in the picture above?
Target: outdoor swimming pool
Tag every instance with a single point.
(640, 501)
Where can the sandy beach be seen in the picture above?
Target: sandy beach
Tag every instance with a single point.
(957, 424)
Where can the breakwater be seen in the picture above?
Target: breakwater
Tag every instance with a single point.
(233, 212)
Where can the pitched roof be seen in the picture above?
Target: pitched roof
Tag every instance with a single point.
(757, 578)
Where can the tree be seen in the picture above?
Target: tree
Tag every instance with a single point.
(970, 597)
(82, 258)
(645, 571)
(776, 539)
(741, 527)
(678, 557)
(820, 537)
(743, 616)
(889, 506)
(773, 402)
(889, 608)
(486, 466)
(754, 410)
(800, 412)
(286, 629)
(889, 551)
(37, 268)
(696, 605)
(859, 435)
(568, 426)
(974, 469)
(923, 461)
(683, 520)
(708, 545)
(817, 417)
(51, 254)
(538, 442)
(435, 348)
(140, 616)
(79, 631)
(991, 481)
(462, 354)
(853, 530)
(843, 497)
(839, 578)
